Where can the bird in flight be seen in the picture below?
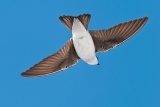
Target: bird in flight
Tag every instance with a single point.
(84, 44)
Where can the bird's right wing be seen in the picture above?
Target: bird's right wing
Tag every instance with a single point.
(110, 38)
(61, 60)
(68, 20)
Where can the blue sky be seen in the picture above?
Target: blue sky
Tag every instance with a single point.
(128, 76)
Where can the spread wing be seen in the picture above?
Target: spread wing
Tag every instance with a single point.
(61, 60)
(107, 39)
(68, 20)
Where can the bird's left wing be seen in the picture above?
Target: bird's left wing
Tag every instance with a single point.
(61, 60)
(109, 38)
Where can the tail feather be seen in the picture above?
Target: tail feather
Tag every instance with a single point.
(68, 20)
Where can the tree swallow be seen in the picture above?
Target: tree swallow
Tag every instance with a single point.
(84, 44)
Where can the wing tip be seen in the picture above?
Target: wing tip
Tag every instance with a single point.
(22, 74)
(25, 74)
(145, 18)
(29, 75)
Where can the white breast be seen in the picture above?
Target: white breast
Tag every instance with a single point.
(83, 43)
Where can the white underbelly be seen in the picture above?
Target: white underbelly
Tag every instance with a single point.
(84, 47)
(83, 43)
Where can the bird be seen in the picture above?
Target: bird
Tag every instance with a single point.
(84, 44)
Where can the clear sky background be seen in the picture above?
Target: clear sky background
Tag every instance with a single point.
(128, 76)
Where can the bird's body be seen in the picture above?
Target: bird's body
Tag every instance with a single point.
(83, 43)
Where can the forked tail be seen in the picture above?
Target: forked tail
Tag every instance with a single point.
(68, 20)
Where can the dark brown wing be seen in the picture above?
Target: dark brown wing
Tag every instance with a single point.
(61, 60)
(107, 39)
(68, 20)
